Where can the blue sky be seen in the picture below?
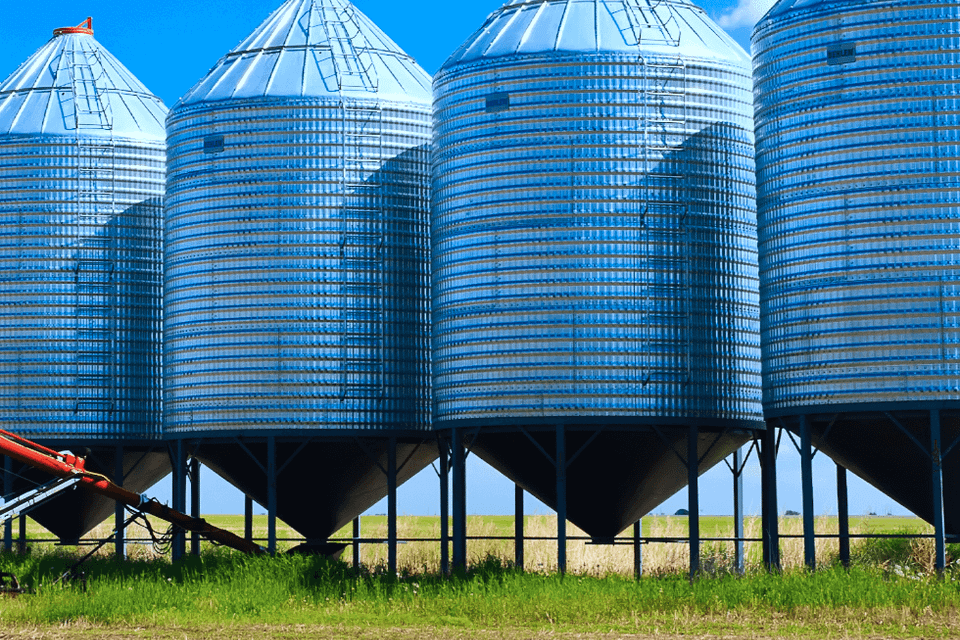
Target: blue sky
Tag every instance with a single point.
(170, 44)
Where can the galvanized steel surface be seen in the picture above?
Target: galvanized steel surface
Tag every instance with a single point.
(594, 217)
(81, 183)
(297, 236)
(857, 170)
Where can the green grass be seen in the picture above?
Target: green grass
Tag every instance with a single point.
(224, 587)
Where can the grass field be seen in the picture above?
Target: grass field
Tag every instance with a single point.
(889, 593)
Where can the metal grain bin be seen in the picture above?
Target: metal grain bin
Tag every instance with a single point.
(857, 158)
(297, 261)
(595, 247)
(81, 182)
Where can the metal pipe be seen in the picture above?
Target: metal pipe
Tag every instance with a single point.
(843, 516)
(444, 508)
(459, 501)
(561, 465)
(693, 498)
(518, 526)
(194, 504)
(271, 495)
(99, 484)
(806, 482)
(119, 512)
(392, 506)
(738, 509)
(940, 554)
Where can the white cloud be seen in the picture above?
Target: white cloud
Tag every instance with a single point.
(746, 14)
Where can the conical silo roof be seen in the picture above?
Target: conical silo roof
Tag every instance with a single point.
(315, 48)
(529, 27)
(73, 85)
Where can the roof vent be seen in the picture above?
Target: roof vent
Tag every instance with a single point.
(85, 27)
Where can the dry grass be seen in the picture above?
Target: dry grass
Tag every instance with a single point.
(541, 555)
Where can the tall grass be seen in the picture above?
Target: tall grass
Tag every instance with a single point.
(225, 587)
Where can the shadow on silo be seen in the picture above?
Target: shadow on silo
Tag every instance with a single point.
(327, 477)
(625, 467)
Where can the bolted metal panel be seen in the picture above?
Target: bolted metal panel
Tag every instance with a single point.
(297, 233)
(858, 202)
(81, 182)
(594, 219)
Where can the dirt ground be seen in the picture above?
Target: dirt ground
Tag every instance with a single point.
(295, 632)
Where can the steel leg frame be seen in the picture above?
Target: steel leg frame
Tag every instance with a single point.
(806, 480)
(561, 466)
(843, 517)
(247, 517)
(272, 495)
(195, 504)
(936, 469)
(119, 513)
(179, 453)
(392, 506)
(457, 453)
(693, 498)
(738, 464)
(444, 473)
(769, 515)
(518, 527)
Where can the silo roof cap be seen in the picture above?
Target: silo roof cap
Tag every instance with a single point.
(73, 86)
(634, 27)
(84, 28)
(315, 48)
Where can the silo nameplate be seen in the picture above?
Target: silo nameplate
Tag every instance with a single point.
(842, 53)
(498, 102)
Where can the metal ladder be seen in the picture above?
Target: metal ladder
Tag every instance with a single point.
(96, 305)
(95, 311)
(666, 241)
(362, 246)
(657, 24)
(349, 50)
(86, 72)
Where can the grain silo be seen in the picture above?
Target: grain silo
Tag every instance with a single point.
(595, 266)
(82, 150)
(297, 266)
(859, 226)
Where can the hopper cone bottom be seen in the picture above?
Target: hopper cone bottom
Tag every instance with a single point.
(615, 480)
(324, 486)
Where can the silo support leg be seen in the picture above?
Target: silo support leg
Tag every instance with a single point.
(444, 508)
(518, 526)
(940, 558)
(179, 546)
(771, 528)
(272, 495)
(356, 542)
(637, 549)
(22, 538)
(738, 509)
(7, 493)
(806, 480)
(693, 498)
(119, 512)
(392, 506)
(247, 517)
(194, 503)
(561, 464)
(459, 501)
(843, 516)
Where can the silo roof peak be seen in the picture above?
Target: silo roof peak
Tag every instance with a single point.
(315, 48)
(73, 86)
(84, 28)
